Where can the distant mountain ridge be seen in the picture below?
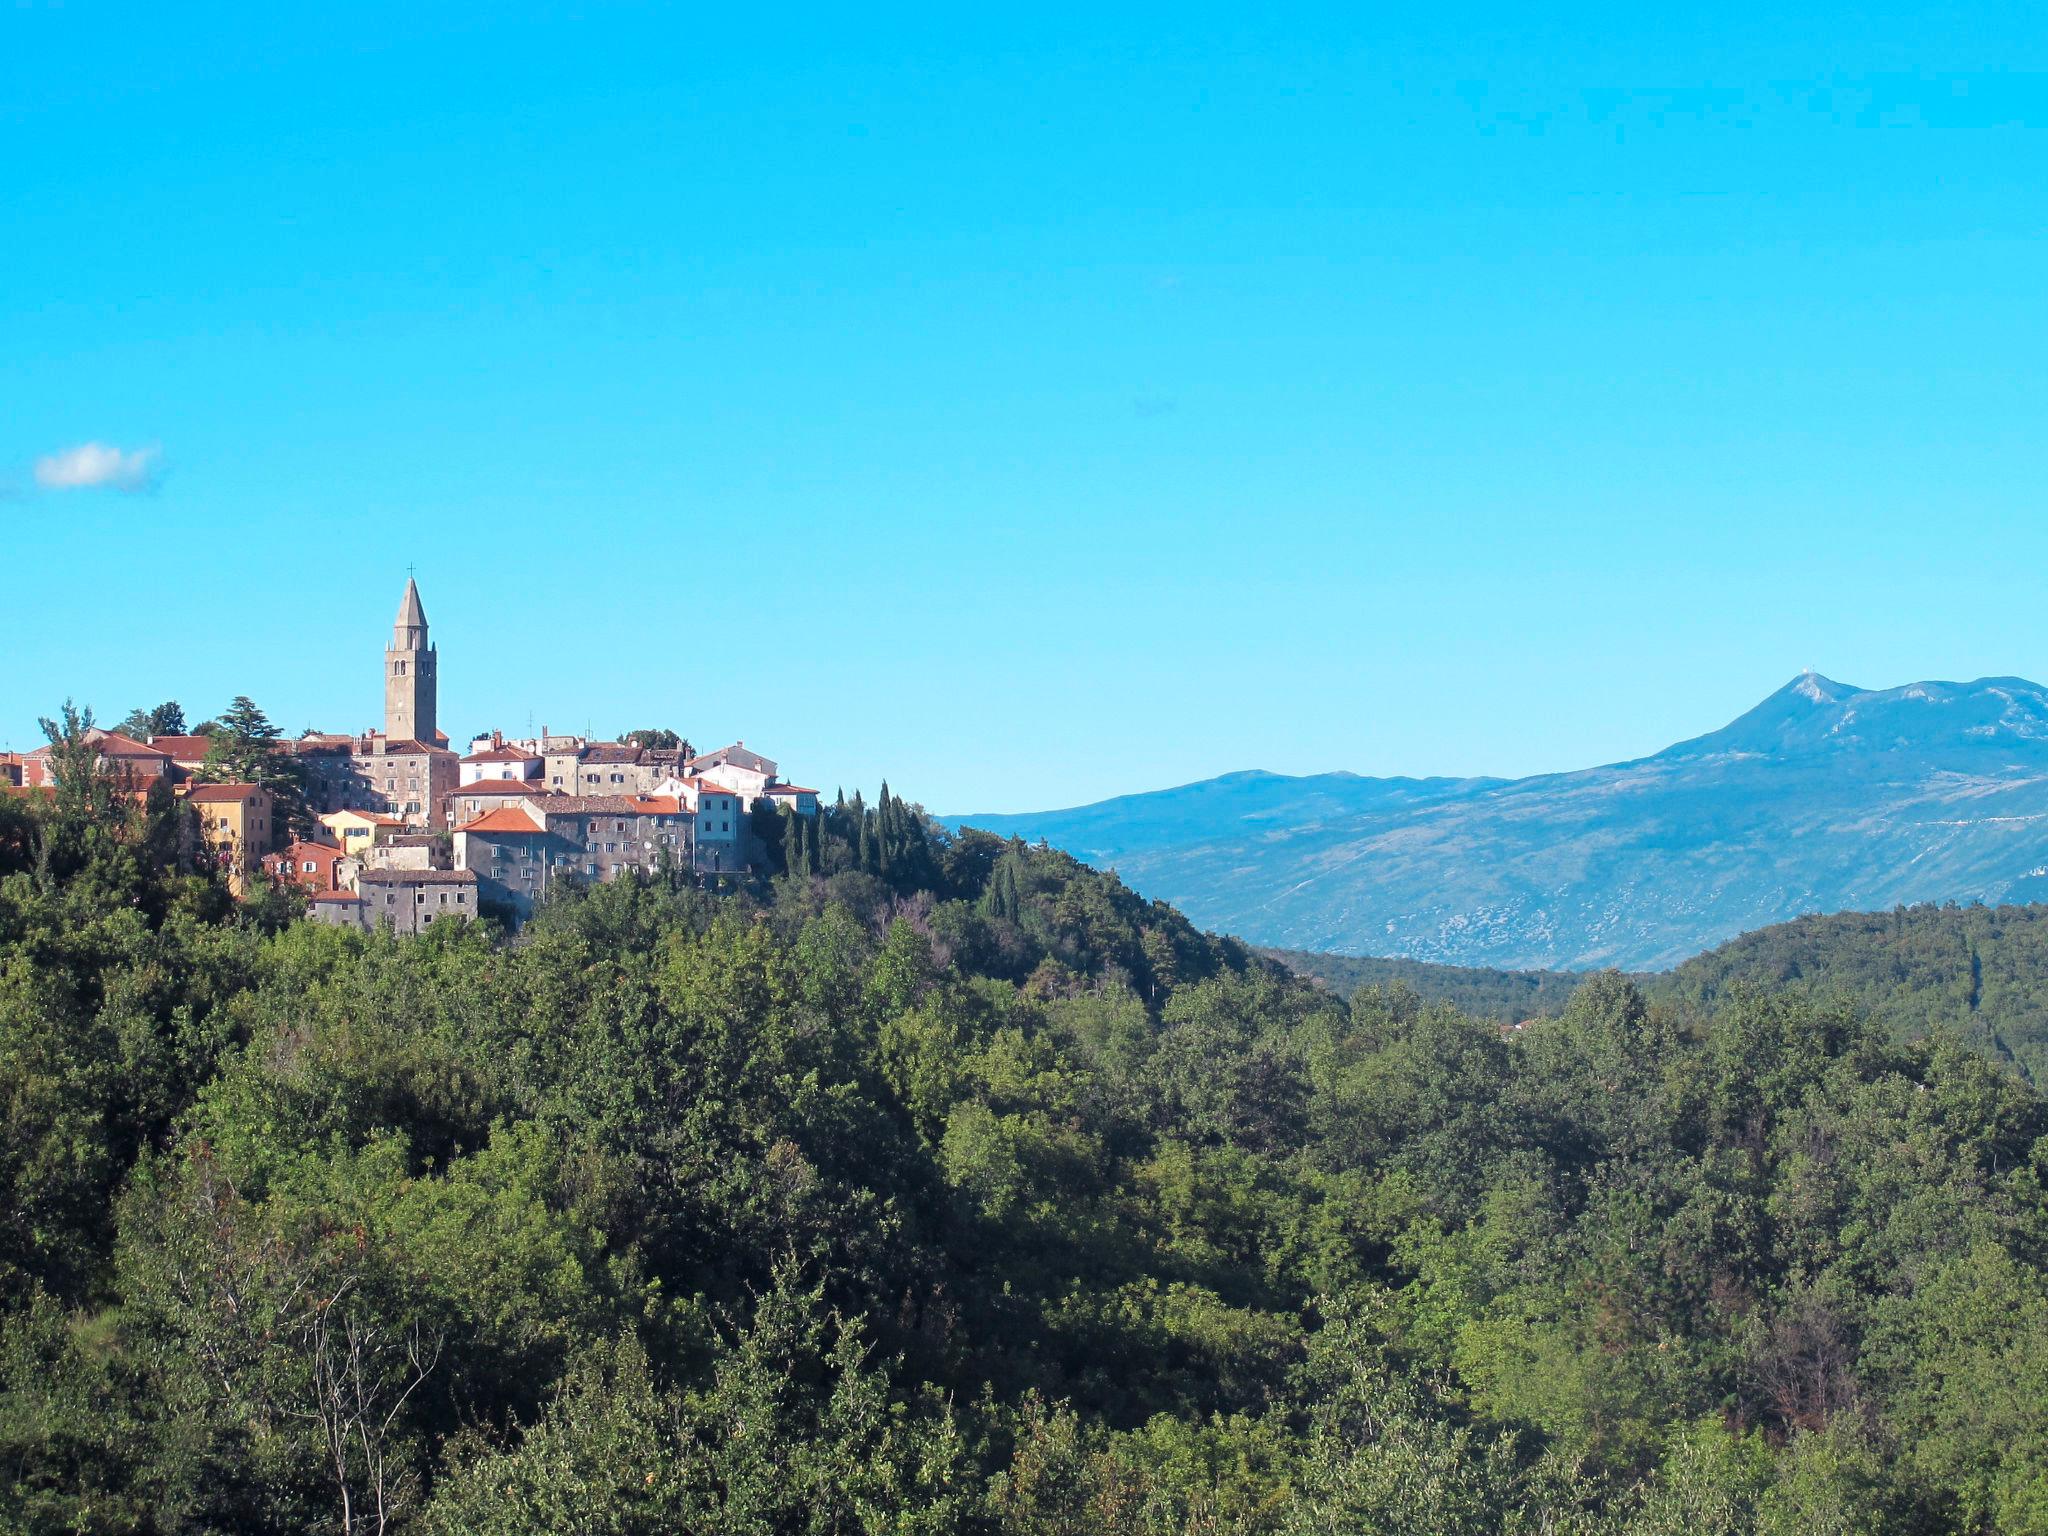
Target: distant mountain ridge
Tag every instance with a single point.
(1823, 798)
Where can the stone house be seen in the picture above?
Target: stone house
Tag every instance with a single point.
(408, 900)
(519, 852)
(721, 822)
(466, 802)
(407, 779)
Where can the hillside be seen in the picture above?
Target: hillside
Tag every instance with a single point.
(1502, 996)
(943, 1187)
(1822, 798)
(1980, 972)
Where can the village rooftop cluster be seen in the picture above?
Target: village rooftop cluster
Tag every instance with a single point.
(411, 832)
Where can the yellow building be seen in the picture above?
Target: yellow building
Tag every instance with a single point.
(236, 824)
(357, 832)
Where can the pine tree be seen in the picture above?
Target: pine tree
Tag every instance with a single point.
(167, 719)
(246, 749)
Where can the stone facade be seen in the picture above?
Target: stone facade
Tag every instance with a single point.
(407, 900)
(407, 779)
(466, 802)
(519, 853)
(408, 850)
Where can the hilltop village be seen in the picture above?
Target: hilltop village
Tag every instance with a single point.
(395, 828)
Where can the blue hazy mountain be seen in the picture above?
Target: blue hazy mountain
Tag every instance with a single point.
(1823, 798)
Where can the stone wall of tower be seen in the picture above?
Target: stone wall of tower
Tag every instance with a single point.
(411, 674)
(411, 694)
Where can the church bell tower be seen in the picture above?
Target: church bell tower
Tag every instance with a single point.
(411, 674)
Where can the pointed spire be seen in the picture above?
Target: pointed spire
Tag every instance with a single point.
(410, 614)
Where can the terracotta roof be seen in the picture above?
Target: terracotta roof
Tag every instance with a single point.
(501, 755)
(787, 789)
(336, 896)
(182, 746)
(223, 794)
(109, 744)
(407, 744)
(657, 805)
(505, 819)
(501, 787)
(603, 805)
(114, 744)
(296, 853)
(416, 877)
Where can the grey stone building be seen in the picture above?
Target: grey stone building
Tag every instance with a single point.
(410, 779)
(405, 900)
(518, 853)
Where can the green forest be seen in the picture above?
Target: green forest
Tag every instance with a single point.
(940, 1184)
(1507, 997)
(1981, 972)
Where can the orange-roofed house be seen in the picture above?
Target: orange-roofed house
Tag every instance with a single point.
(134, 762)
(236, 824)
(312, 865)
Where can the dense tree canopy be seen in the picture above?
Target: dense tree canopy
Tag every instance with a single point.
(1981, 972)
(944, 1185)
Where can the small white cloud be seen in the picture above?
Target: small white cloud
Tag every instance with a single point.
(98, 464)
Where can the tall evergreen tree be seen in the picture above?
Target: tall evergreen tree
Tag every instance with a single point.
(245, 748)
(167, 719)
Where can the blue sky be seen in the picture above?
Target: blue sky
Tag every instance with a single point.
(1026, 408)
